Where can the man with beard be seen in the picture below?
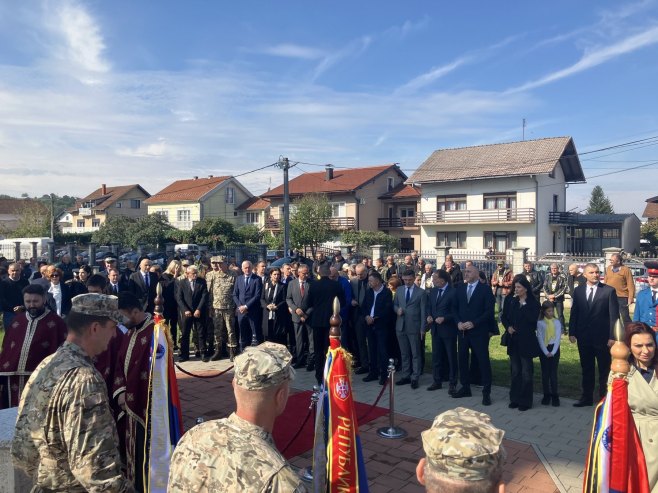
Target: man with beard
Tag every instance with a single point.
(34, 334)
(11, 293)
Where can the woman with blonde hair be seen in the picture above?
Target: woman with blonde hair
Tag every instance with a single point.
(170, 311)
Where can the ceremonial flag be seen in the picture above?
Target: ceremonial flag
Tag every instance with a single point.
(615, 461)
(164, 420)
(338, 464)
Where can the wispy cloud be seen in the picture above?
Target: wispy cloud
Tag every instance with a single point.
(81, 41)
(436, 73)
(408, 27)
(291, 50)
(596, 57)
(352, 50)
(432, 76)
(154, 149)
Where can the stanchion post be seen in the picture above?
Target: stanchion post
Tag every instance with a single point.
(306, 474)
(392, 431)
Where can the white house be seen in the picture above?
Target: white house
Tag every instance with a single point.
(497, 195)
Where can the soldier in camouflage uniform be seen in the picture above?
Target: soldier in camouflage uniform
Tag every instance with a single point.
(234, 455)
(66, 439)
(220, 286)
(463, 453)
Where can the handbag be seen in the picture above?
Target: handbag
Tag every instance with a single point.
(504, 339)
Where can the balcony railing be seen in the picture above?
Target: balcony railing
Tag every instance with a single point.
(526, 215)
(80, 229)
(396, 222)
(183, 225)
(339, 223)
(564, 218)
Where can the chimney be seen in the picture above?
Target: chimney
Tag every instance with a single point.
(210, 176)
(328, 172)
(103, 189)
(195, 177)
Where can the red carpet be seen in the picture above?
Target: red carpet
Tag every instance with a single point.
(287, 425)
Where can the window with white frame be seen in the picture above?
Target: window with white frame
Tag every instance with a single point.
(500, 241)
(506, 200)
(95, 223)
(407, 211)
(119, 205)
(230, 195)
(163, 213)
(80, 223)
(252, 217)
(337, 209)
(454, 239)
(183, 215)
(451, 203)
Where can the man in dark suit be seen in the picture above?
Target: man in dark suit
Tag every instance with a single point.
(192, 299)
(246, 295)
(359, 288)
(143, 283)
(443, 329)
(410, 305)
(296, 299)
(594, 312)
(319, 308)
(473, 311)
(114, 284)
(377, 313)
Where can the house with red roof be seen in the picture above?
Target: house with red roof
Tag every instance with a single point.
(354, 194)
(91, 212)
(186, 202)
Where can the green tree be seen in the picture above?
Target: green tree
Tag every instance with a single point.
(33, 220)
(365, 239)
(649, 231)
(274, 242)
(248, 233)
(599, 203)
(213, 231)
(152, 229)
(310, 225)
(115, 229)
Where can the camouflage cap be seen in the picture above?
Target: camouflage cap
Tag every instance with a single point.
(218, 259)
(263, 366)
(98, 305)
(463, 444)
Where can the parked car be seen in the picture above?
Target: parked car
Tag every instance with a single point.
(287, 260)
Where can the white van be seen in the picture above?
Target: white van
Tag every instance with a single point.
(187, 248)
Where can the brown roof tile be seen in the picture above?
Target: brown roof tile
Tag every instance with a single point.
(112, 194)
(528, 157)
(14, 205)
(186, 190)
(402, 191)
(651, 210)
(254, 204)
(344, 180)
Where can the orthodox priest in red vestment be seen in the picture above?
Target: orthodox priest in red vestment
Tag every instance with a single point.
(32, 335)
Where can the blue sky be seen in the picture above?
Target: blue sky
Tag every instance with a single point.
(147, 92)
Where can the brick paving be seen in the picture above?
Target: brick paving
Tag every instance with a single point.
(391, 464)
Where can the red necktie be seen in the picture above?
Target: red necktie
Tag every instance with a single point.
(301, 288)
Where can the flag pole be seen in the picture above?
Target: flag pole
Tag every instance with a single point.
(620, 352)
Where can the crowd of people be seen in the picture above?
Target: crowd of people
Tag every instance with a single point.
(218, 310)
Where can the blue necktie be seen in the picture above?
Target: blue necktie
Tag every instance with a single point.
(406, 299)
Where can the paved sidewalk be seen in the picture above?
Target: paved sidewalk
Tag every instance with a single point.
(557, 435)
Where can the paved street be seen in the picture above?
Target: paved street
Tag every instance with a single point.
(555, 436)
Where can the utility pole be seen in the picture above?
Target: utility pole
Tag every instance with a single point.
(284, 164)
(523, 131)
(52, 216)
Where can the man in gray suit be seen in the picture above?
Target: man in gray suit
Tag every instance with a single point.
(296, 299)
(410, 305)
(359, 287)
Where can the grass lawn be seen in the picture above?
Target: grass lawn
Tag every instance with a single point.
(568, 369)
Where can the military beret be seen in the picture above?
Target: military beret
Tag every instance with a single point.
(263, 366)
(98, 305)
(218, 259)
(463, 444)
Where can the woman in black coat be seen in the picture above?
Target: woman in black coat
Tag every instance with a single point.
(273, 301)
(520, 314)
(170, 309)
